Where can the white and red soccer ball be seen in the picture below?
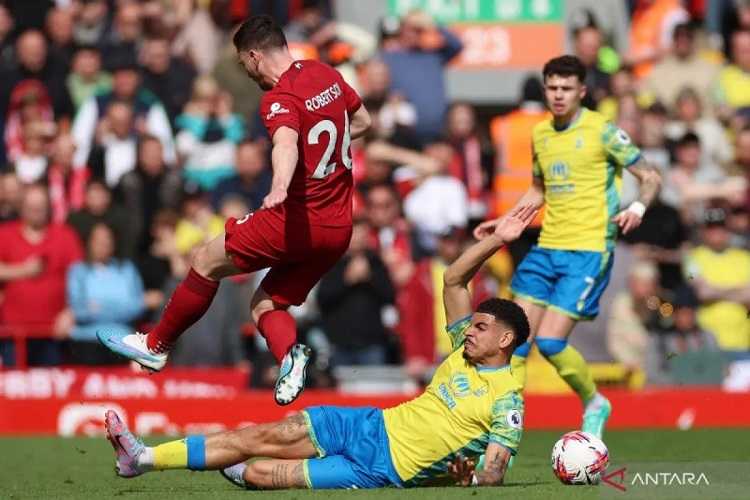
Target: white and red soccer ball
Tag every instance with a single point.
(579, 458)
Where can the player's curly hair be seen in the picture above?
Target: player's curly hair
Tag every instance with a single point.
(259, 33)
(509, 313)
(565, 66)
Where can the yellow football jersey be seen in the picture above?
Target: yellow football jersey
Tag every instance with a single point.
(582, 170)
(464, 408)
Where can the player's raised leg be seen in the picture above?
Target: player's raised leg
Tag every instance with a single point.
(280, 331)
(552, 342)
(286, 439)
(190, 300)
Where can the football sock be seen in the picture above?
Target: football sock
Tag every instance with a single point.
(280, 331)
(518, 363)
(188, 453)
(570, 365)
(190, 300)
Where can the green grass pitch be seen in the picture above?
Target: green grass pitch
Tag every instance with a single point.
(83, 468)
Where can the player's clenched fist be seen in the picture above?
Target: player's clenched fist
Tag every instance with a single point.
(274, 198)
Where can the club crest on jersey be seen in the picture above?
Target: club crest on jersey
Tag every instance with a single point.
(276, 109)
(559, 170)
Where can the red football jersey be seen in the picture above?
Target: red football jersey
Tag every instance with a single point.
(313, 99)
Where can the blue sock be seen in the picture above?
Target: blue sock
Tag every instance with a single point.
(196, 452)
(549, 347)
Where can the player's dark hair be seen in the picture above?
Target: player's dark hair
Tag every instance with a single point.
(259, 33)
(565, 66)
(509, 313)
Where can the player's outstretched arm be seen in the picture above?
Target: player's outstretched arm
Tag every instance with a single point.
(360, 123)
(284, 158)
(496, 460)
(456, 297)
(534, 198)
(649, 183)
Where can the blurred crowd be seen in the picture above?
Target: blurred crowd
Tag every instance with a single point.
(130, 134)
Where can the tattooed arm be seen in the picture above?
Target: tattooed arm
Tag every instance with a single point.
(649, 182)
(496, 460)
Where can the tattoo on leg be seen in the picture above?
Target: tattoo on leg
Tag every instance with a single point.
(279, 476)
(290, 427)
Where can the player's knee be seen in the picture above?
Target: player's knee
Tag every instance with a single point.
(203, 262)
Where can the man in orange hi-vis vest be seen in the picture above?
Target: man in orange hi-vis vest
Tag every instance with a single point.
(511, 136)
(651, 32)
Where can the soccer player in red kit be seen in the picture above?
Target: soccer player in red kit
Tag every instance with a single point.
(305, 222)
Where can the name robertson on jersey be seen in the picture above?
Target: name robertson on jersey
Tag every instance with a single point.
(324, 98)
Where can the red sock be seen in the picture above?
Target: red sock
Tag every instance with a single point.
(189, 302)
(280, 331)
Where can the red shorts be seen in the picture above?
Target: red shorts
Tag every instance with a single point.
(297, 253)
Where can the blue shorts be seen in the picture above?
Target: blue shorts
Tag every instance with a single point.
(353, 448)
(569, 281)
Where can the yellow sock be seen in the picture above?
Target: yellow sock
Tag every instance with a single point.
(575, 371)
(518, 369)
(171, 455)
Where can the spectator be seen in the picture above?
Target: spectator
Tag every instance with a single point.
(98, 209)
(125, 35)
(66, 183)
(252, 178)
(684, 334)
(91, 23)
(34, 63)
(150, 116)
(473, 161)
(209, 134)
(34, 259)
(721, 278)
(723, 18)
(651, 32)
(87, 78)
(342, 45)
(390, 234)
(511, 137)
(741, 164)
(621, 85)
(10, 196)
(587, 44)
(59, 29)
(115, 149)
(689, 116)
(393, 117)
(356, 291)
(198, 223)
(437, 203)
(148, 189)
(424, 51)
(170, 79)
(162, 262)
(246, 96)
(691, 182)
(631, 317)
(104, 293)
(733, 85)
(681, 69)
(197, 39)
(31, 163)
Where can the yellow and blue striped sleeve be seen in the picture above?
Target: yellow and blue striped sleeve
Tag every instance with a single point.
(456, 331)
(618, 146)
(507, 421)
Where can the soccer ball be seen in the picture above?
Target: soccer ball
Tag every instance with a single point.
(579, 458)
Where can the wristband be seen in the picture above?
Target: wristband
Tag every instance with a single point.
(637, 208)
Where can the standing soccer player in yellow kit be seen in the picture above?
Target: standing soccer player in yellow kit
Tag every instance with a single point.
(578, 161)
